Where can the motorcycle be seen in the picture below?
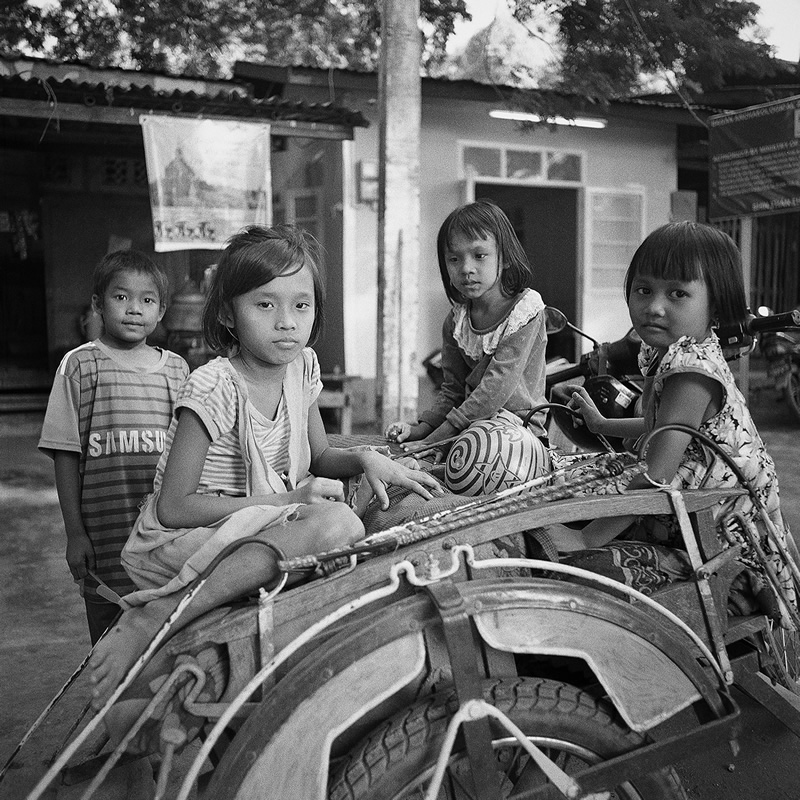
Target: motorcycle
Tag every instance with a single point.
(610, 372)
(781, 351)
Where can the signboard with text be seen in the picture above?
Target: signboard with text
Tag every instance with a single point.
(755, 160)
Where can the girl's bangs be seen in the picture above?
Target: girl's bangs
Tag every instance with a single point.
(469, 227)
(675, 265)
(292, 267)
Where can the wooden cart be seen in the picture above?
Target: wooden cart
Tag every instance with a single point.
(447, 664)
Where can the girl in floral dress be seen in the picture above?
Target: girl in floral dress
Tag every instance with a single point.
(684, 280)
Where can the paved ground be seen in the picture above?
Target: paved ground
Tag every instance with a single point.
(44, 637)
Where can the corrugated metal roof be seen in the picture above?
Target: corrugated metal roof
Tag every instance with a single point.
(275, 76)
(38, 79)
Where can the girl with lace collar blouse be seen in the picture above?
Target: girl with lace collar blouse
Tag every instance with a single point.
(493, 339)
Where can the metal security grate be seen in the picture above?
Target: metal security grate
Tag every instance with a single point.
(124, 172)
(139, 172)
(57, 170)
(116, 172)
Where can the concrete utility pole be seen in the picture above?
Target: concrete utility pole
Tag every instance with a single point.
(399, 97)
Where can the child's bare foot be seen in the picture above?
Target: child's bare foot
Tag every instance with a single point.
(118, 651)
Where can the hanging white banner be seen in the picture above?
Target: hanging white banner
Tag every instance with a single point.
(208, 179)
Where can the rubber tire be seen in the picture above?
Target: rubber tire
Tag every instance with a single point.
(792, 393)
(401, 749)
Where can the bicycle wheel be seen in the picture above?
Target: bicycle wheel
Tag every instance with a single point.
(783, 666)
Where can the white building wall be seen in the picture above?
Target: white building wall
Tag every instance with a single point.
(625, 155)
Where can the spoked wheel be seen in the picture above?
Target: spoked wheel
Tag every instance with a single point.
(573, 729)
(792, 393)
(784, 666)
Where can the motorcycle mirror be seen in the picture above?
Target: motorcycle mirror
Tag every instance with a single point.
(555, 320)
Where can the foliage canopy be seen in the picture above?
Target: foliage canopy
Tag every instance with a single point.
(602, 47)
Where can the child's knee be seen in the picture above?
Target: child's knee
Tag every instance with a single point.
(342, 524)
(331, 524)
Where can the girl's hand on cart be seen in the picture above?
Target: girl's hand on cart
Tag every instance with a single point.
(398, 432)
(381, 472)
(433, 452)
(407, 432)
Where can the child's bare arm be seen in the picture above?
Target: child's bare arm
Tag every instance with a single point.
(407, 431)
(181, 506)
(580, 401)
(80, 552)
(378, 469)
(687, 398)
(421, 432)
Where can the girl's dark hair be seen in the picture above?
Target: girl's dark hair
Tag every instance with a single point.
(251, 258)
(129, 261)
(689, 251)
(480, 220)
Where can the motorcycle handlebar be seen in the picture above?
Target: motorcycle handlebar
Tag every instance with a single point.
(622, 353)
(566, 374)
(754, 325)
(774, 322)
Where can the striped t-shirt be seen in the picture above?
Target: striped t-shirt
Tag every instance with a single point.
(116, 416)
(211, 394)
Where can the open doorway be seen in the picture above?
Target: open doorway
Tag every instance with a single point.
(546, 221)
(24, 373)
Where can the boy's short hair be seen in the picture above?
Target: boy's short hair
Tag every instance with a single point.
(129, 261)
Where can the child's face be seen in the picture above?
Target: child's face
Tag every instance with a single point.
(664, 310)
(473, 266)
(273, 322)
(131, 308)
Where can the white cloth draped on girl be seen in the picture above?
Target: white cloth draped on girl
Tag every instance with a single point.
(164, 560)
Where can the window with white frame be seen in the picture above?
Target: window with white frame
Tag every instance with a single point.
(614, 232)
(520, 164)
(614, 225)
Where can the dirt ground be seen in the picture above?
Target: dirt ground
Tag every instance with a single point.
(44, 633)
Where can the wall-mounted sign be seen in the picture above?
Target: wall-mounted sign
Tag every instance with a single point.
(755, 160)
(208, 179)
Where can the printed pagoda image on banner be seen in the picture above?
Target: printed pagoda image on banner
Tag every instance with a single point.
(208, 179)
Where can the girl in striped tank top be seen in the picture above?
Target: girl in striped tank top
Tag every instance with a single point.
(246, 454)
